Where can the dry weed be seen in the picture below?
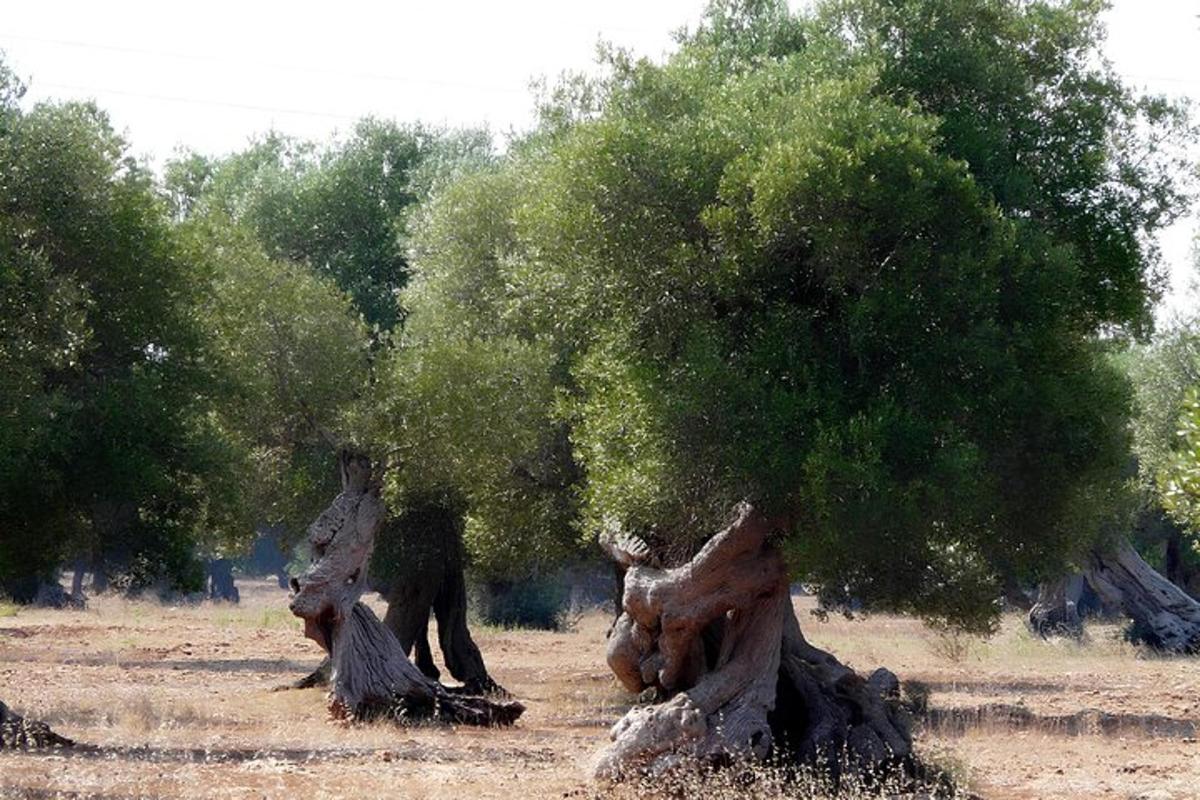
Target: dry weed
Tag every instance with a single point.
(775, 780)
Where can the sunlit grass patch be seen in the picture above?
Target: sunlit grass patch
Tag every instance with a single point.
(264, 618)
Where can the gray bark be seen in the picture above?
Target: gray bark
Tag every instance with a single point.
(371, 674)
(718, 640)
(1164, 616)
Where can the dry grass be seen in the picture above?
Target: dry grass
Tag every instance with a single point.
(182, 698)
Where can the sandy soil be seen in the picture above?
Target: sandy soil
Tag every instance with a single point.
(181, 701)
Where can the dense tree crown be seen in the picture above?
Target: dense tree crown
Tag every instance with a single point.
(849, 265)
(105, 437)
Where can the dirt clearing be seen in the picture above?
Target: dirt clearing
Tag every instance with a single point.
(179, 702)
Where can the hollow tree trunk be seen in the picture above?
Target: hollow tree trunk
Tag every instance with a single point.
(718, 640)
(1164, 616)
(1056, 612)
(371, 674)
(18, 733)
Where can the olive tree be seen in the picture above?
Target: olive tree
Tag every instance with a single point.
(831, 284)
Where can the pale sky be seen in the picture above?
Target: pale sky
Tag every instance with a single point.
(211, 75)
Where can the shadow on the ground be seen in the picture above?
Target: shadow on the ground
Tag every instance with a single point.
(1089, 722)
(998, 686)
(294, 755)
(269, 665)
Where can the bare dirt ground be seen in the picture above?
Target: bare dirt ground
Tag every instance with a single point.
(180, 700)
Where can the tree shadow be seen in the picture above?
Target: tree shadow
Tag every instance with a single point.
(1089, 722)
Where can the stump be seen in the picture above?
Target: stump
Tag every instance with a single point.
(371, 676)
(18, 733)
(718, 642)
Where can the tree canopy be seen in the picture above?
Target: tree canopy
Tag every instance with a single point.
(852, 265)
(106, 443)
(863, 265)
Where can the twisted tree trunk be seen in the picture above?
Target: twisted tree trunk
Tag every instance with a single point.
(425, 574)
(371, 675)
(1164, 616)
(18, 733)
(718, 640)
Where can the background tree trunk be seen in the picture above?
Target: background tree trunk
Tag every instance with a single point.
(1164, 616)
(718, 640)
(99, 575)
(78, 569)
(423, 568)
(371, 674)
(221, 585)
(1056, 612)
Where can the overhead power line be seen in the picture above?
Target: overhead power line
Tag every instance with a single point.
(211, 58)
(200, 101)
(276, 66)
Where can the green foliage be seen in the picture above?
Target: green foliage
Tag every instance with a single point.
(471, 395)
(537, 602)
(293, 353)
(338, 210)
(1162, 372)
(105, 441)
(1180, 476)
(308, 239)
(850, 266)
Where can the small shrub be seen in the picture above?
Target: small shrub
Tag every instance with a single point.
(951, 644)
(536, 602)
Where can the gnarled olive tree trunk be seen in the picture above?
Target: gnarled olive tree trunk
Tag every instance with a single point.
(371, 675)
(718, 640)
(18, 733)
(425, 573)
(1164, 616)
